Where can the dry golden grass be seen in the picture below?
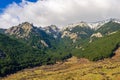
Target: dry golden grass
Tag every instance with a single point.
(72, 69)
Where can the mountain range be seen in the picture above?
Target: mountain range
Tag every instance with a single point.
(26, 45)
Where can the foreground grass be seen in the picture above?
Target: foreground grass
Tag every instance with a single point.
(72, 69)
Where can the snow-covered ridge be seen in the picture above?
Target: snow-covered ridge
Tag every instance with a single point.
(92, 25)
(70, 26)
(97, 25)
(51, 28)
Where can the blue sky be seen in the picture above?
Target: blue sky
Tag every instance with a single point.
(5, 3)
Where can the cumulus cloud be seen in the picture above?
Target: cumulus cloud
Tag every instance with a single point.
(59, 12)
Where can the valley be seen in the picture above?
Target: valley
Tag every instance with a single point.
(72, 69)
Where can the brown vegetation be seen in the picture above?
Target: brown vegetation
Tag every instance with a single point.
(73, 69)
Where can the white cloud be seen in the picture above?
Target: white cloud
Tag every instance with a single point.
(59, 12)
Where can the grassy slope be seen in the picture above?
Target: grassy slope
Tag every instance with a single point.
(74, 69)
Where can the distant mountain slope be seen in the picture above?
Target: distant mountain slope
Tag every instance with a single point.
(51, 36)
(77, 32)
(52, 30)
(34, 36)
(108, 28)
(101, 48)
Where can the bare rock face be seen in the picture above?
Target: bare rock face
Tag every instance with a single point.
(34, 36)
(44, 43)
(77, 32)
(21, 31)
(72, 36)
(97, 35)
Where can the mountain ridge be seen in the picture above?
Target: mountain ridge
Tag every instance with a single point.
(27, 45)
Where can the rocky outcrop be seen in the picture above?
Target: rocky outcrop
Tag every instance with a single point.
(44, 43)
(97, 35)
(21, 31)
(72, 36)
(35, 36)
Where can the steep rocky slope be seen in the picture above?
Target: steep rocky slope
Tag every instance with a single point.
(34, 36)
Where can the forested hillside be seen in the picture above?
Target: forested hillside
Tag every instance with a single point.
(16, 55)
(102, 48)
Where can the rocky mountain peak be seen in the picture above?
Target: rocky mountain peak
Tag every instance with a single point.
(26, 26)
(51, 29)
(79, 24)
(21, 31)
